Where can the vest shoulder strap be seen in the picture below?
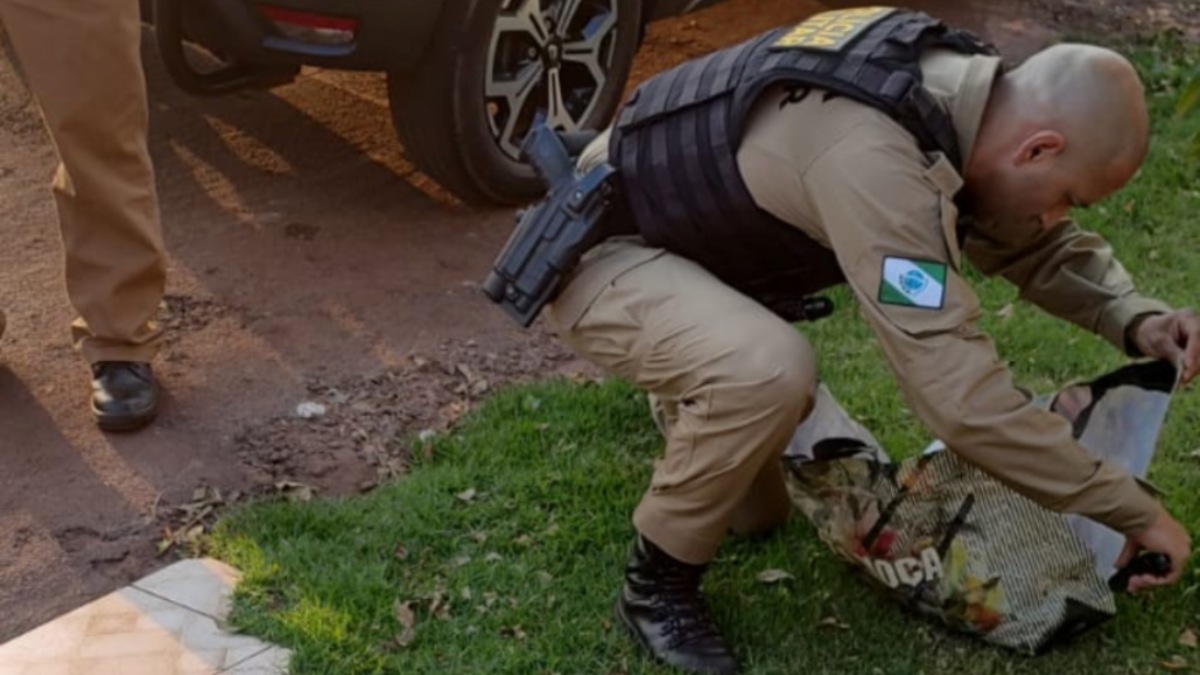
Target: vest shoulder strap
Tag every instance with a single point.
(871, 55)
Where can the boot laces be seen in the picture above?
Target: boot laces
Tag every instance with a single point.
(682, 610)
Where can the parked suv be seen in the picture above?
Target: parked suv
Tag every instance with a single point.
(466, 78)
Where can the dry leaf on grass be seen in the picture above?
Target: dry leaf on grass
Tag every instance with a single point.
(408, 622)
(1188, 639)
(513, 631)
(1175, 663)
(773, 576)
(834, 622)
(439, 605)
(467, 496)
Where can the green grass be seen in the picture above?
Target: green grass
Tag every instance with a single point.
(520, 577)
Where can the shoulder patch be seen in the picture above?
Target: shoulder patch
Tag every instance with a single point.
(831, 31)
(908, 282)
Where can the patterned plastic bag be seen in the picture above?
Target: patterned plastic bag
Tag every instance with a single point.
(946, 539)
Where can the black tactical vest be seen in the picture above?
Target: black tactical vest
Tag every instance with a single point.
(675, 142)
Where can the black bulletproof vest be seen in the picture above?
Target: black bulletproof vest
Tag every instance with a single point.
(675, 142)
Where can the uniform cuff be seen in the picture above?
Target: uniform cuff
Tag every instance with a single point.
(1133, 509)
(1120, 313)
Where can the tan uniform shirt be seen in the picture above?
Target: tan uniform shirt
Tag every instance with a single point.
(853, 179)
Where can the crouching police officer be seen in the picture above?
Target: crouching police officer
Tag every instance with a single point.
(842, 150)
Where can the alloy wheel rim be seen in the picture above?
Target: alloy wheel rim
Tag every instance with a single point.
(547, 60)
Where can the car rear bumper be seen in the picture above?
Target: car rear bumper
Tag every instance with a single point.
(384, 34)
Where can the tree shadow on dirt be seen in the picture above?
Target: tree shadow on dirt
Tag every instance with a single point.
(103, 544)
(299, 201)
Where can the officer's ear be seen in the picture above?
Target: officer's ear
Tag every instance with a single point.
(1040, 147)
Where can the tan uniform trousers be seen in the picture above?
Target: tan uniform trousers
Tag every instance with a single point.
(82, 60)
(732, 379)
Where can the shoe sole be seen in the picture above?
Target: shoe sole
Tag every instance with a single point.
(124, 423)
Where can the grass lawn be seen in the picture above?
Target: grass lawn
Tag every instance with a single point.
(504, 548)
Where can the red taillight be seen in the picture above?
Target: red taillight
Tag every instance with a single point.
(312, 28)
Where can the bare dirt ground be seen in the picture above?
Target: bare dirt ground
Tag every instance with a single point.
(310, 263)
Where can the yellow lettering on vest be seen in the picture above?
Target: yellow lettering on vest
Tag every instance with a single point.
(843, 27)
(833, 30)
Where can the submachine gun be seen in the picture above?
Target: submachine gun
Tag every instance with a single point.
(552, 235)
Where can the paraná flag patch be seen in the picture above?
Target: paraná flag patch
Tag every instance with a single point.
(908, 282)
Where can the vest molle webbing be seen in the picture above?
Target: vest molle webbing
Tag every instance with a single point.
(675, 142)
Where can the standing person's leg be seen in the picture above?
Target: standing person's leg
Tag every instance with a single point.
(83, 62)
(737, 380)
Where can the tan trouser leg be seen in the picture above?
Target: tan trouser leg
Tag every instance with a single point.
(738, 378)
(83, 62)
(766, 505)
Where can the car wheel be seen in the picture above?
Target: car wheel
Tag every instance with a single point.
(498, 66)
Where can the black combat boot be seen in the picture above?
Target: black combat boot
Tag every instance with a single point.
(662, 606)
(124, 395)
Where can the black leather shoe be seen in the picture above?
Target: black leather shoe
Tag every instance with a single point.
(662, 606)
(124, 395)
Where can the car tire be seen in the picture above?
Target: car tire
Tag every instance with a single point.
(462, 113)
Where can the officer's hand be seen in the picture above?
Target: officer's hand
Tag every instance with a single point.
(1174, 337)
(1164, 536)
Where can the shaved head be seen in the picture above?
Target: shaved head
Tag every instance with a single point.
(1092, 95)
(1067, 127)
